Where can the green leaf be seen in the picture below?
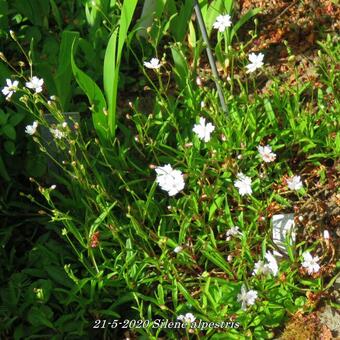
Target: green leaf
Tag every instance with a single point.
(56, 14)
(216, 205)
(3, 171)
(181, 67)
(95, 96)
(9, 131)
(270, 112)
(215, 257)
(16, 118)
(3, 117)
(59, 276)
(111, 74)
(188, 297)
(179, 25)
(101, 218)
(9, 147)
(64, 72)
(40, 316)
(112, 59)
(243, 20)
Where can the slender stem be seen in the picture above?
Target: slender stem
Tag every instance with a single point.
(210, 55)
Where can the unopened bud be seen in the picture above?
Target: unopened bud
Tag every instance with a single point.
(12, 34)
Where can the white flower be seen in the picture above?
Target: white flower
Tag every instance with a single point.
(247, 298)
(256, 61)
(178, 249)
(53, 186)
(169, 179)
(203, 130)
(57, 133)
(326, 234)
(310, 263)
(270, 267)
(222, 22)
(266, 153)
(272, 263)
(261, 268)
(232, 232)
(153, 63)
(294, 183)
(243, 183)
(35, 84)
(187, 318)
(31, 129)
(10, 88)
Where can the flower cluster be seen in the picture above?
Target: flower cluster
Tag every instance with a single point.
(12, 86)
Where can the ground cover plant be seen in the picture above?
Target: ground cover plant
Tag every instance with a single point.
(151, 215)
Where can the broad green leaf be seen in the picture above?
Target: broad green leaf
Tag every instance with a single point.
(9, 131)
(9, 147)
(64, 72)
(111, 74)
(95, 96)
(112, 59)
(179, 25)
(16, 118)
(180, 68)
